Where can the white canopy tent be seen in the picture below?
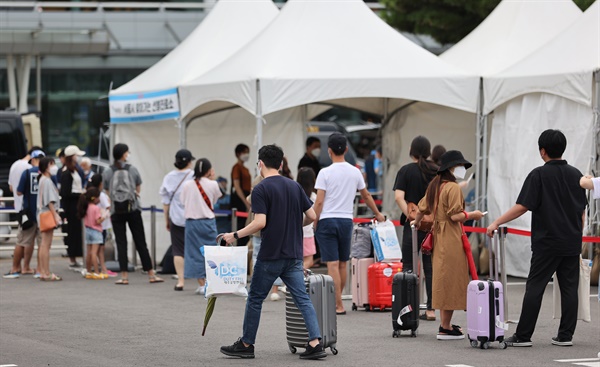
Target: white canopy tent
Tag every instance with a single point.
(551, 88)
(155, 137)
(306, 56)
(514, 29)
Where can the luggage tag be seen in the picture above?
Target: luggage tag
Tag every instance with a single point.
(403, 312)
(500, 324)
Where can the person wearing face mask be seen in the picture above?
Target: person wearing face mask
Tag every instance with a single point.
(557, 203)
(241, 185)
(71, 188)
(445, 200)
(311, 157)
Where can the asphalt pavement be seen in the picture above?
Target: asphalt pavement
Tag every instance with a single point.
(79, 322)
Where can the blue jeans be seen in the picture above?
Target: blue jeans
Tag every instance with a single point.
(291, 271)
(256, 243)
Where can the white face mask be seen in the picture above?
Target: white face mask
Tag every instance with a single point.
(316, 152)
(460, 172)
(244, 157)
(53, 170)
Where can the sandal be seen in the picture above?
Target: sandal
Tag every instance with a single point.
(155, 279)
(122, 281)
(454, 334)
(51, 278)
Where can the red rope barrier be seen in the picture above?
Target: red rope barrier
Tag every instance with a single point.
(518, 232)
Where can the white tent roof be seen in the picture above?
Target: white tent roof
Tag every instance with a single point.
(229, 26)
(564, 66)
(323, 50)
(512, 31)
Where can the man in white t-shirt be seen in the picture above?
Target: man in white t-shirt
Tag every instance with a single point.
(336, 188)
(591, 183)
(14, 176)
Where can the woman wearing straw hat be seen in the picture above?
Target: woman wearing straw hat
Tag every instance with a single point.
(444, 198)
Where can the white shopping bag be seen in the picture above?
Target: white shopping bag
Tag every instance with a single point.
(385, 241)
(583, 311)
(226, 270)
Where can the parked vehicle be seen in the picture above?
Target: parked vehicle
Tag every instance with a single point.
(13, 145)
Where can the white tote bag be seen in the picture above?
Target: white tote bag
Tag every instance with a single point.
(385, 241)
(583, 311)
(226, 270)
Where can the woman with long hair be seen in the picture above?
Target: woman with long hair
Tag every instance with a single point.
(71, 188)
(48, 201)
(410, 186)
(199, 197)
(444, 199)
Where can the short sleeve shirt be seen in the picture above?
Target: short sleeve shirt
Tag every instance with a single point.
(340, 181)
(284, 202)
(134, 176)
(28, 185)
(556, 200)
(240, 172)
(410, 180)
(14, 176)
(48, 193)
(195, 207)
(170, 193)
(596, 191)
(91, 217)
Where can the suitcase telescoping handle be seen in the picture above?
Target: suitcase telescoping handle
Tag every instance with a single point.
(415, 250)
(493, 252)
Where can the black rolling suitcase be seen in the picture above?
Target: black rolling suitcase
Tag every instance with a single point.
(405, 297)
(321, 290)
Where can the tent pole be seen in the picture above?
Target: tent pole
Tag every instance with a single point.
(259, 118)
(182, 133)
(594, 216)
(479, 159)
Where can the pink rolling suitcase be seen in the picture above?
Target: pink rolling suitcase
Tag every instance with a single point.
(485, 308)
(360, 282)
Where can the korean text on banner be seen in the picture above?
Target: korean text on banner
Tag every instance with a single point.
(226, 270)
(385, 241)
(143, 107)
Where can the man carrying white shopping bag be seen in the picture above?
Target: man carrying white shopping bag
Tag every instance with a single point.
(278, 204)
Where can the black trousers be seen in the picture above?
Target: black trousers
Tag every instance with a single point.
(543, 266)
(136, 226)
(74, 239)
(407, 260)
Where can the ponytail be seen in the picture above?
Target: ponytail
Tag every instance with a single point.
(434, 187)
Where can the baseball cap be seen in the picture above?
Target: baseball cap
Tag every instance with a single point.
(37, 154)
(337, 142)
(184, 155)
(73, 150)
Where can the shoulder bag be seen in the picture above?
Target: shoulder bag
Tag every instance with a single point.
(427, 245)
(47, 220)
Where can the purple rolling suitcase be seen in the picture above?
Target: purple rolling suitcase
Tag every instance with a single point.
(485, 308)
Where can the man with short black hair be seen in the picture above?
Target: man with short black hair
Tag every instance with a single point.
(311, 157)
(336, 188)
(557, 205)
(278, 204)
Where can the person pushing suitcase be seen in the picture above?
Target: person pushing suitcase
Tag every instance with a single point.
(278, 204)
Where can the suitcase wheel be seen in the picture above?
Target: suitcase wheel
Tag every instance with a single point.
(334, 351)
(414, 333)
(485, 345)
(396, 334)
(504, 345)
(474, 343)
(293, 349)
(354, 307)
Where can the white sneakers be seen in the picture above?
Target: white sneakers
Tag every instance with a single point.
(275, 296)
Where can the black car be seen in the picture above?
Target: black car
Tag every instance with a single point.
(13, 145)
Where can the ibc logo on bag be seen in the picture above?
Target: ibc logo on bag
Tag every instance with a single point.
(230, 273)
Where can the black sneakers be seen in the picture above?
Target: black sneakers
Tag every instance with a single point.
(562, 342)
(514, 341)
(239, 350)
(315, 352)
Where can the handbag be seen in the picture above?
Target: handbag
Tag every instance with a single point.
(47, 220)
(24, 220)
(427, 244)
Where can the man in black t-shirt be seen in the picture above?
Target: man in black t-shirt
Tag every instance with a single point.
(557, 205)
(311, 157)
(278, 204)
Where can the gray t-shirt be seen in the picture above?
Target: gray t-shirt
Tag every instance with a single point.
(134, 176)
(48, 193)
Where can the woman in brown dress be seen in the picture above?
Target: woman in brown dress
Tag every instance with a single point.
(450, 269)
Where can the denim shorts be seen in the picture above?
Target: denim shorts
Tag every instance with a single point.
(333, 237)
(93, 236)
